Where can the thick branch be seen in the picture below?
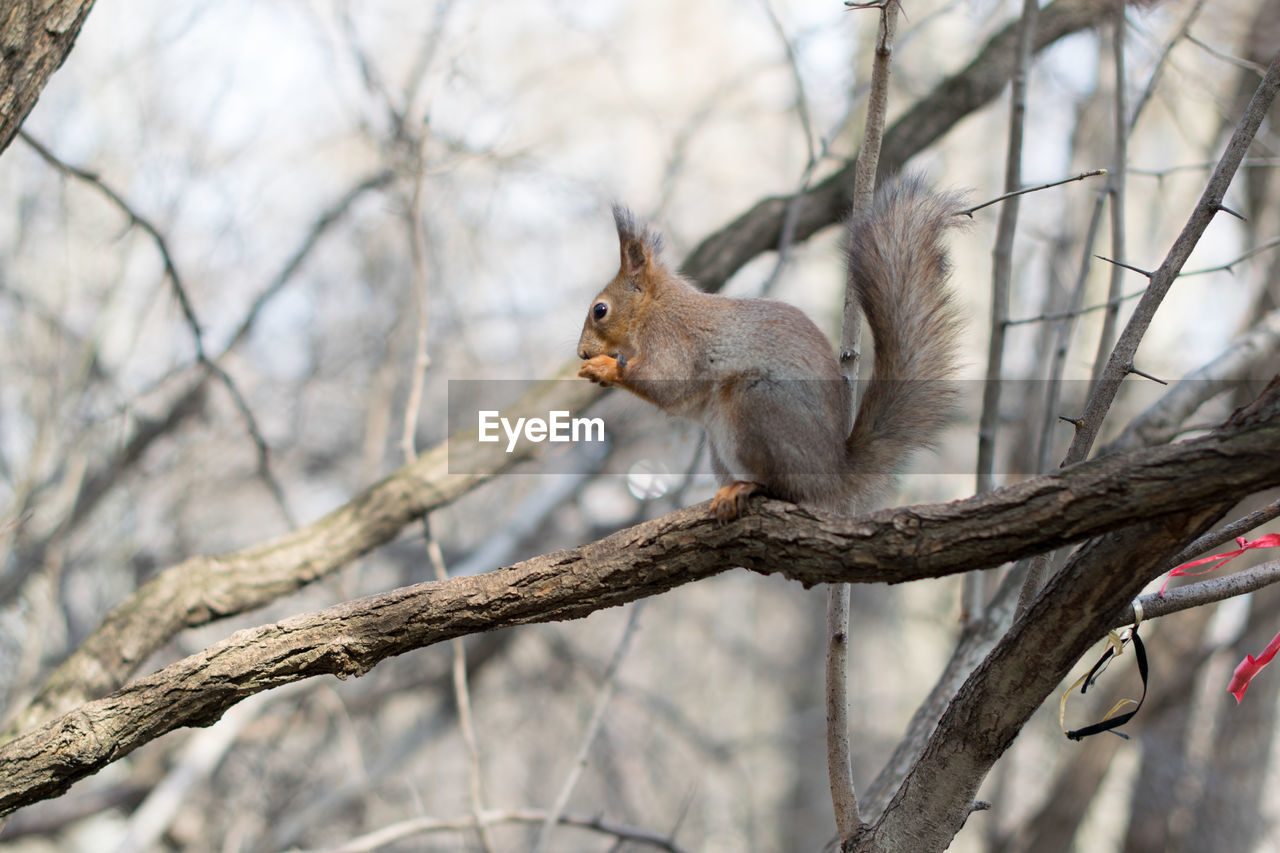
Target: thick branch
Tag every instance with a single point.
(891, 546)
(35, 38)
(1075, 609)
(201, 589)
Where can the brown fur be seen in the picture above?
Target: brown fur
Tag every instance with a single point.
(763, 379)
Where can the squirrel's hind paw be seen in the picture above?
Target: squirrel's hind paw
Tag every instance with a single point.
(731, 500)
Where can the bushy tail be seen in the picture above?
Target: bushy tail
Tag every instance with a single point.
(898, 267)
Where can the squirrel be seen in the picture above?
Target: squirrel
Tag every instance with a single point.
(763, 380)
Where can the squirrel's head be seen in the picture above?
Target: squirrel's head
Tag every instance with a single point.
(616, 312)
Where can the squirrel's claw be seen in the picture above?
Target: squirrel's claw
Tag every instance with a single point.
(731, 500)
(603, 369)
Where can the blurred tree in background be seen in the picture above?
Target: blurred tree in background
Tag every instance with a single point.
(244, 248)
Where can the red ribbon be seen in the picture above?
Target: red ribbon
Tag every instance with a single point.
(1250, 666)
(1271, 540)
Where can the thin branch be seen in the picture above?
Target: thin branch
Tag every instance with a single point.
(1247, 163)
(973, 593)
(817, 151)
(1008, 195)
(1158, 72)
(1105, 390)
(839, 753)
(135, 218)
(1075, 312)
(421, 357)
(319, 228)
(413, 406)
(462, 700)
(188, 312)
(867, 165)
(418, 826)
(1227, 532)
(610, 681)
(1062, 333)
(1155, 605)
(797, 79)
(1122, 265)
(844, 798)
(1246, 64)
(1116, 191)
(1229, 265)
(1246, 357)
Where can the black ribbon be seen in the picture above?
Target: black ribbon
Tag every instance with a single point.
(1112, 723)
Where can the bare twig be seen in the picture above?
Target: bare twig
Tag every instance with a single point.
(1065, 325)
(462, 698)
(1105, 390)
(1201, 593)
(421, 358)
(188, 312)
(1246, 64)
(323, 223)
(419, 826)
(1075, 312)
(556, 811)
(1247, 163)
(1115, 188)
(135, 218)
(816, 150)
(421, 361)
(1158, 72)
(1008, 195)
(839, 753)
(1244, 359)
(1227, 532)
(1229, 266)
(839, 757)
(973, 593)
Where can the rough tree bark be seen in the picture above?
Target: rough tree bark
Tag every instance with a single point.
(1175, 490)
(205, 588)
(35, 38)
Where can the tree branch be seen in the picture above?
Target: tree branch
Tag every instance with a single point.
(201, 589)
(35, 39)
(1120, 363)
(890, 546)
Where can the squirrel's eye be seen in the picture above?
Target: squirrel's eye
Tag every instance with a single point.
(599, 310)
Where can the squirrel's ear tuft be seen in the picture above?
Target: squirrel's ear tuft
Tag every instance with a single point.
(638, 245)
(625, 220)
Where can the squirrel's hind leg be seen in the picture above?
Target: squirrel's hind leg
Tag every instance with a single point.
(731, 500)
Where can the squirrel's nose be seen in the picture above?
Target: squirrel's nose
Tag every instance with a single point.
(582, 354)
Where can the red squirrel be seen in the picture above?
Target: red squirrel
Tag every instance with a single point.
(763, 379)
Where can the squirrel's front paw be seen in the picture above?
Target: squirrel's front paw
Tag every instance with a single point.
(603, 369)
(731, 500)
